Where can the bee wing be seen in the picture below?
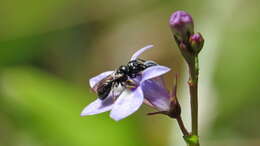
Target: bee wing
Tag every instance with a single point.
(94, 80)
(101, 83)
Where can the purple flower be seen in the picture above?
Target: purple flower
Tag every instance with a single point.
(181, 24)
(122, 102)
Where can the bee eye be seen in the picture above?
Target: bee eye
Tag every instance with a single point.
(150, 63)
(123, 69)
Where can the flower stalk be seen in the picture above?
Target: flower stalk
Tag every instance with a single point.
(190, 44)
(182, 127)
(193, 86)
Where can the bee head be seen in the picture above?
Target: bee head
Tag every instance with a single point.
(123, 69)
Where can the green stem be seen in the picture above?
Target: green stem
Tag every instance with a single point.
(186, 134)
(193, 86)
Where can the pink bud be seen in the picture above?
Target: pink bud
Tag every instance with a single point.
(196, 42)
(181, 24)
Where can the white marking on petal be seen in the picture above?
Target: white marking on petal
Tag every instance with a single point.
(127, 103)
(140, 51)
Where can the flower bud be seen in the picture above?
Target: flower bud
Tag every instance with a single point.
(181, 24)
(196, 41)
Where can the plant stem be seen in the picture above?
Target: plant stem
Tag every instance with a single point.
(193, 85)
(182, 127)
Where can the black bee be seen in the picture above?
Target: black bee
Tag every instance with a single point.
(121, 77)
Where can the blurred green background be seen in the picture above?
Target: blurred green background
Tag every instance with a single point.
(49, 49)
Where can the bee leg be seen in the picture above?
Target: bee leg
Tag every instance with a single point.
(130, 84)
(141, 60)
(113, 93)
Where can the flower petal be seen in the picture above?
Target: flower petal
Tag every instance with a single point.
(98, 106)
(154, 71)
(127, 103)
(140, 51)
(93, 81)
(156, 93)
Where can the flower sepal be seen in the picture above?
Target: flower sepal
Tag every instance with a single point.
(175, 110)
